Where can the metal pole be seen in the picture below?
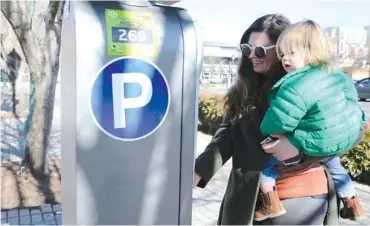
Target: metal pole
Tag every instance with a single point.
(233, 63)
(229, 77)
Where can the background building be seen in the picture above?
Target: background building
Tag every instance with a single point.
(219, 63)
(348, 43)
(367, 29)
(352, 46)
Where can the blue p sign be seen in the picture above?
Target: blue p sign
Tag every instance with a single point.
(120, 103)
(129, 98)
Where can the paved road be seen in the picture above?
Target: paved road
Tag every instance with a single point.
(366, 107)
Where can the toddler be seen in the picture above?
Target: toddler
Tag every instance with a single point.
(316, 107)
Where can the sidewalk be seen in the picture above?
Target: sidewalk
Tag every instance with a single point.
(207, 201)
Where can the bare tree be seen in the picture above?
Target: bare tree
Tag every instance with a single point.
(37, 26)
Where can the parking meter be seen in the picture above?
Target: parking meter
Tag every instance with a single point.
(129, 78)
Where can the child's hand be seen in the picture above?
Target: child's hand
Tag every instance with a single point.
(269, 147)
(282, 150)
(269, 143)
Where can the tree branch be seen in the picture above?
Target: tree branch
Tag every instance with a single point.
(59, 15)
(57, 19)
(16, 35)
(52, 11)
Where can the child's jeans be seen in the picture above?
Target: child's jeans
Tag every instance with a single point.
(342, 182)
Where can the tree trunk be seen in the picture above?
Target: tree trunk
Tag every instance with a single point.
(40, 124)
(38, 29)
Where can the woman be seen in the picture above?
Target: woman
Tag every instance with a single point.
(303, 189)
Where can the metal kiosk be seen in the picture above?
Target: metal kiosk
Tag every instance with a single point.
(129, 74)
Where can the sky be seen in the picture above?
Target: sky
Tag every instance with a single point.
(226, 20)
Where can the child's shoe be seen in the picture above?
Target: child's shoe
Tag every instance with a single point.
(270, 206)
(352, 209)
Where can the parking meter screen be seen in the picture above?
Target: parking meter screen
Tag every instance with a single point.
(130, 33)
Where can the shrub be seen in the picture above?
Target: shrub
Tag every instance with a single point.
(211, 112)
(357, 161)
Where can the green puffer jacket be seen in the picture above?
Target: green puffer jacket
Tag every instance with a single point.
(319, 112)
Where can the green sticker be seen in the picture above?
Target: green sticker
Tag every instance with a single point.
(130, 33)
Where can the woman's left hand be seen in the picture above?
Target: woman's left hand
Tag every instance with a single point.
(283, 150)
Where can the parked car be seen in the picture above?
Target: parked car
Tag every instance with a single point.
(363, 88)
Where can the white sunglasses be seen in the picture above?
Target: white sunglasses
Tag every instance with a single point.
(260, 51)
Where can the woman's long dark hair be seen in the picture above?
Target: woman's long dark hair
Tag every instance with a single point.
(249, 95)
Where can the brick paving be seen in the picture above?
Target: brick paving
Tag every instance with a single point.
(43, 215)
(206, 202)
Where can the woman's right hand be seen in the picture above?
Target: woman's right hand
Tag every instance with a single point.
(197, 178)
